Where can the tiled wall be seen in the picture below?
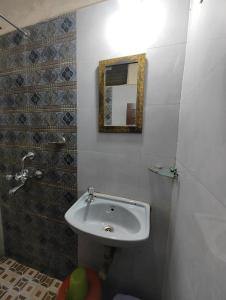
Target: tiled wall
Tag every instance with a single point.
(38, 106)
(118, 164)
(197, 257)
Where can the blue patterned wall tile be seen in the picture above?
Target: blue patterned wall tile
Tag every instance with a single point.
(37, 97)
(67, 119)
(26, 241)
(37, 137)
(4, 41)
(50, 76)
(66, 24)
(68, 73)
(2, 120)
(46, 204)
(67, 50)
(23, 119)
(53, 176)
(34, 78)
(27, 138)
(10, 137)
(6, 82)
(57, 177)
(2, 137)
(36, 120)
(9, 101)
(4, 60)
(68, 179)
(10, 119)
(69, 159)
(52, 53)
(12, 40)
(51, 119)
(50, 137)
(35, 33)
(60, 159)
(33, 56)
(17, 38)
(22, 137)
(17, 60)
(19, 80)
(49, 53)
(44, 159)
(20, 100)
(52, 29)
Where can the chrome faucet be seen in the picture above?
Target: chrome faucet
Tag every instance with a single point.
(30, 155)
(13, 190)
(24, 174)
(91, 192)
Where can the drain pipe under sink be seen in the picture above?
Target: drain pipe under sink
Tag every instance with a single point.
(109, 253)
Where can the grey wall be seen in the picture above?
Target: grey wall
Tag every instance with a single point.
(197, 264)
(118, 163)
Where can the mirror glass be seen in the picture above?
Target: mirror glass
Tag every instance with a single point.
(120, 94)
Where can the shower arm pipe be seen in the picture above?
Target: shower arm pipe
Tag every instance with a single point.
(17, 28)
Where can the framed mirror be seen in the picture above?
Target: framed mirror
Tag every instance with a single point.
(121, 94)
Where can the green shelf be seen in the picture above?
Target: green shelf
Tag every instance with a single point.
(170, 172)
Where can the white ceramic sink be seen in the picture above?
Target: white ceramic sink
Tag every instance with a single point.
(112, 220)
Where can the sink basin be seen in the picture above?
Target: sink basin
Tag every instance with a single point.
(112, 220)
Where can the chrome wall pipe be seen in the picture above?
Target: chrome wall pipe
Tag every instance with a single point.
(24, 32)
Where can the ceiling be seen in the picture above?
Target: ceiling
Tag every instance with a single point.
(28, 12)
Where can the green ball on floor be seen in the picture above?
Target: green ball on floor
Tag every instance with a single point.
(78, 288)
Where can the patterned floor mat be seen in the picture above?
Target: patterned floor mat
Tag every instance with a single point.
(18, 282)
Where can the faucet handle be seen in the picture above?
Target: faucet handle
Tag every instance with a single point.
(91, 190)
(38, 174)
(29, 155)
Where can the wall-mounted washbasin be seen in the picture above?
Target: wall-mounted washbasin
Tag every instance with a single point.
(112, 220)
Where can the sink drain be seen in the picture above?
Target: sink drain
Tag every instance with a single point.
(108, 228)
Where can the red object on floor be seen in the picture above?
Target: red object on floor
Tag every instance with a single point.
(63, 289)
(94, 287)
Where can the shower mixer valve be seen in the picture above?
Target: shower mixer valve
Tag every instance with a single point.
(24, 174)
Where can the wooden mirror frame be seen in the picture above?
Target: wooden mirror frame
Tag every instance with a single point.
(141, 60)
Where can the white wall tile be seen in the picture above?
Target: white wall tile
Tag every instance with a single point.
(165, 70)
(191, 265)
(118, 163)
(160, 130)
(207, 20)
(205, 131)
(195, 271)
(176, 23)
(109, 173)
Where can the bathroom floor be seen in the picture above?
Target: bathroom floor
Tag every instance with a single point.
(18, 282)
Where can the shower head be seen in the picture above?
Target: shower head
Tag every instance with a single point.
(25, 32)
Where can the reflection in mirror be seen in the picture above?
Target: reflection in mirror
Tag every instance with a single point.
(121, 90)
(120, 95)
